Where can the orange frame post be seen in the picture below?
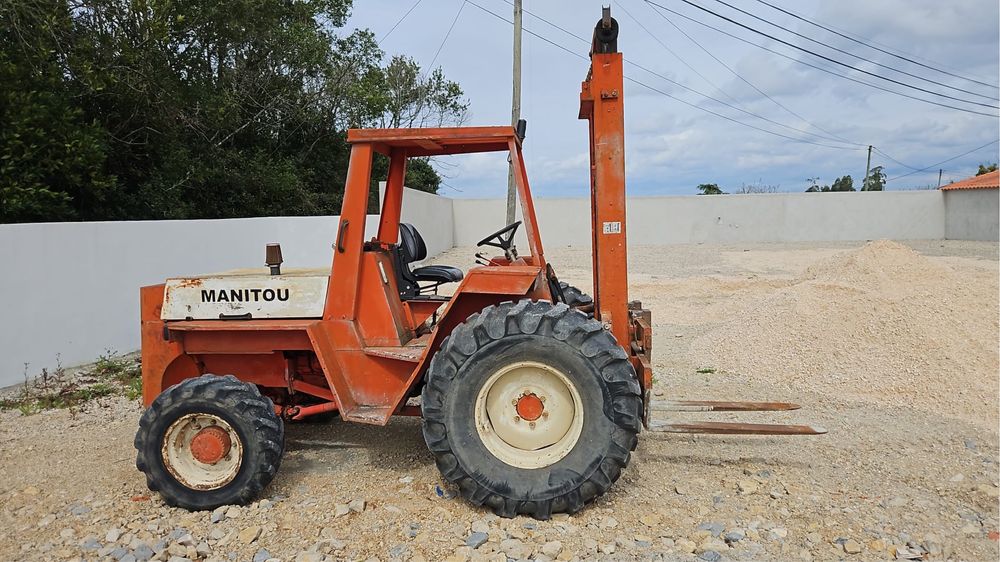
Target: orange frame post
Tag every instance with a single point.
(601, 104)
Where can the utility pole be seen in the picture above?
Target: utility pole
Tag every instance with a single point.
(868, 167)
(940, 171)
(515, 110)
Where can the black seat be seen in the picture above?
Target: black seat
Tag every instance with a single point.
(412, 249)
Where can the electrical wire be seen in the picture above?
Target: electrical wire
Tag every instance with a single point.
(399, 21)
(932, 166)
(654, 89)
(842, 51)
(829, 59)
(692, 90)
(821, 69)
(870, 45)
(446, 36)
(744, 80)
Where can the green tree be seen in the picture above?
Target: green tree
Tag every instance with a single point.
(875, 180)
(986, 168)
(195, 108)
(710, 189)
(845, 183)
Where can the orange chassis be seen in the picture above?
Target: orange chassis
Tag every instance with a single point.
(368, 353)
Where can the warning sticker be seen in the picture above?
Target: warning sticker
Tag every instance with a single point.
(613, 227)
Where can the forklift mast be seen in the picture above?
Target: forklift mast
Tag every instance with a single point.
(601, 104)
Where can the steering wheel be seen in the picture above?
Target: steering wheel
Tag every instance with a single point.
(504, 237)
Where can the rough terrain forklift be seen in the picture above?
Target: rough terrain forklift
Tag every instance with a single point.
(532, 394)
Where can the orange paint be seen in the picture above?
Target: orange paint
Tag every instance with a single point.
(530, 407)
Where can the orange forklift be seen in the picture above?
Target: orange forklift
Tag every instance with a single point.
(532, 394)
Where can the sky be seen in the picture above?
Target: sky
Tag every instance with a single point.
(672, 146)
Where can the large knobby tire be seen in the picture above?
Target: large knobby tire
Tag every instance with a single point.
(209, 410)
(462, 422)
(575, 298)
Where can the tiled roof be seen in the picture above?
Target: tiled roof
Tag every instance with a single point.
(990, 180)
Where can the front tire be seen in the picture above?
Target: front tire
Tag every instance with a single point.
(531, 408)
(209, 441)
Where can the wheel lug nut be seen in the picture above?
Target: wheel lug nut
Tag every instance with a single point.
(545, 414)
(531, 425)
(542, 398)
(517, 418)
(513, 402)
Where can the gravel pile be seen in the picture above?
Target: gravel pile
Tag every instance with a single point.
(880, 323)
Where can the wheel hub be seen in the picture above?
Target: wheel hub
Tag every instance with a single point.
(202, 451)
(211, 445)
(530, 407)
(529, 414)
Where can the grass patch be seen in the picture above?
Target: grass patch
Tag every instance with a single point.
(706, 370)
(111, 375)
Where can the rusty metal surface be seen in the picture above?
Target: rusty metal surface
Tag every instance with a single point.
(719, 406)
(727, 428)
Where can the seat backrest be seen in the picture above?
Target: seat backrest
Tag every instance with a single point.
(411, 243)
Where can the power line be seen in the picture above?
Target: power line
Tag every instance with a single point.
(747, 82)
(876, 63)
(810, 65)
(680, 85)
(932, 166)
(399, 21)
(829, 59)
(653, 89)
(870, 45)
(446, 36)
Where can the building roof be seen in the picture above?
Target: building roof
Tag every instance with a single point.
(989, 180)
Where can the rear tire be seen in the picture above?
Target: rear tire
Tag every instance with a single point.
(575, 298)
(226, 407)
(476, 435)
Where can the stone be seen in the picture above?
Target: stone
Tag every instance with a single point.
(234, 512)
(113, 535)
(970, 444)
(309, 557)
(779, 533)
(713, 527)
(480, 526)
(552, 549)
(851, 546)
(261, 556)
(476, 539)
(356, 506)
(341, 509)
(218, 515)
(734, 536)
(514, 548)
(877, 545)
(79, 510)
(177, 550)
(249, 534)
(90, 543)
(686, 546)
(216, 534)
(608, 548)
(143, 553)
(203, 550)
(609, 523)
(747, 486)
(957, 478)
(186, 540)
(710, 556)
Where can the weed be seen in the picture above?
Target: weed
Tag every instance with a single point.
(110, 375)
(706, 370)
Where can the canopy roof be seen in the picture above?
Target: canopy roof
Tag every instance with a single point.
(436, 141)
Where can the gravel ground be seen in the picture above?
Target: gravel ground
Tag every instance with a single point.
(908, 470)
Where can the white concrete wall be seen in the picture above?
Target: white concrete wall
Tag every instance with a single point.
(972, 214)
(778, 217)
(70, 291)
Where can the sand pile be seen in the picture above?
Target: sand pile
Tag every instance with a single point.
(879, 323)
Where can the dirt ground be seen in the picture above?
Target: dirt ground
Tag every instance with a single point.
(893, 349)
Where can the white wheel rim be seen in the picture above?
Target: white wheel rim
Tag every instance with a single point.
(183, 463)
(521, 442)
